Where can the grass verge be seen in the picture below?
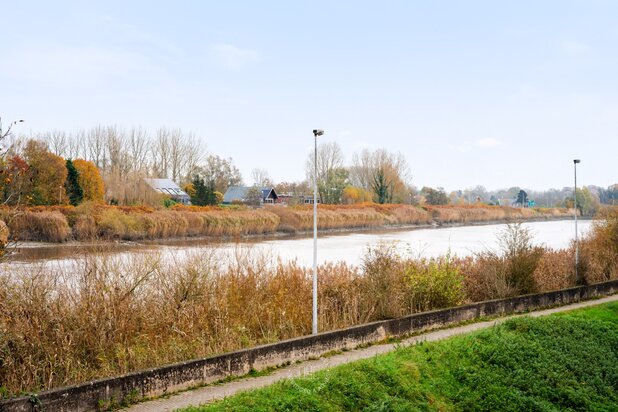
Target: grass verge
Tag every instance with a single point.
(560, 362)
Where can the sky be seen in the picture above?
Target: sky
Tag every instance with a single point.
(488, 93)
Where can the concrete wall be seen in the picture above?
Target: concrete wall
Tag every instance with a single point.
(158, 381)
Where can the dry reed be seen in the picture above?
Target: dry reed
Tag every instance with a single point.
(109, 315)
(91, 220)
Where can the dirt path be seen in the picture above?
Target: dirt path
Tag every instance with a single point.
(215, 392)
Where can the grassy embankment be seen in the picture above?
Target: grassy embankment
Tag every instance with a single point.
(106, 316)
(91, 221)
(566, 362)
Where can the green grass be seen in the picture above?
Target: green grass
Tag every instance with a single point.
(607, 312)
(561, 362)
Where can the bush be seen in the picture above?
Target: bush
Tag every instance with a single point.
(599, 250)
(555, 270)
(521, 257)
(383, 279)
(84, 228)
(507, 272)
(486, 277)
(4, 233)
(434, 284)
(39, 226)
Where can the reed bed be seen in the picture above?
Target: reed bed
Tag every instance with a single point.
(481, 213)
(91, 221)
(110, 315)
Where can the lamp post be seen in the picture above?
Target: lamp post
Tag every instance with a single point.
(577, 279)
(314, 324)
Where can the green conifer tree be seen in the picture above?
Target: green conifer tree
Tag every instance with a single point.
(71, 185)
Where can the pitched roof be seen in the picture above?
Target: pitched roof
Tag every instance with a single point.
(239, 193)
(167, 187)
(235, 193)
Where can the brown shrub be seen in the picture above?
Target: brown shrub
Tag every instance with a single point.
(555, 270)
(106, 316)
(599, 250)
(4, 233)
(508, 272)
(289, 220)
(383, 279)
(486, 277)
(84, 228)
(39, 226)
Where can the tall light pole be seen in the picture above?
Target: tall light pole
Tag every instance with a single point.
(577, 279)
(314, 324)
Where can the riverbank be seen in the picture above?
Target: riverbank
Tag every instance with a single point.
(104, 315)
(88, 222)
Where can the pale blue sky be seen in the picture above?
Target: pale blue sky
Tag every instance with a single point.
(494, 93)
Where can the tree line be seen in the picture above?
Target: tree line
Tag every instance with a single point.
(35, 176)
(123, 157)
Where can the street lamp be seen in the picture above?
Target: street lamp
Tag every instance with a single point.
(314, 324)
(577, 279)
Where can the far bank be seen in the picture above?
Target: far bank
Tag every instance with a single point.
(88, 222)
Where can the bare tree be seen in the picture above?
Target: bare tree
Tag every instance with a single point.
(57, 141)
(177, 151)
(76, 145)
(118, 156)
(193, 155)
(385, 174)
(160, 153)
(6, 134)
(96, 147)
(221, 172)
(329, 160)
(261, 178)
(137, 147)
(362, 170)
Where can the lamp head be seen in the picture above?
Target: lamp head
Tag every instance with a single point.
(318, 132)
(576, 161)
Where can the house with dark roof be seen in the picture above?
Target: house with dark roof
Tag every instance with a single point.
(169, 188)
(242, 194)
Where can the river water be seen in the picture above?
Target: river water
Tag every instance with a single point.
(348, 247)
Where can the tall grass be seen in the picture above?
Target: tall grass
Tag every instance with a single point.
(109, 315)
(91, 221)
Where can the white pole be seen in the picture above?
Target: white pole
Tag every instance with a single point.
(577, 280)
(315, 236)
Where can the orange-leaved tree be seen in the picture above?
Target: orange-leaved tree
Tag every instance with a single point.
(47, 173)
(90, 180)
(352, 195)
(14, 182)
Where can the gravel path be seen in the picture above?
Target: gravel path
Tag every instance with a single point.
(216, 392)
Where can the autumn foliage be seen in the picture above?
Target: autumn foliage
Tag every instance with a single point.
(47, 174)
(90, 180)
(92, 220)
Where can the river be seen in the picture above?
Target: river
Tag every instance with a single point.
(332, 247)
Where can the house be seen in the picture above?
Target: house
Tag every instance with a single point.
(291, 198)
(242, 194)
(169, 188)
